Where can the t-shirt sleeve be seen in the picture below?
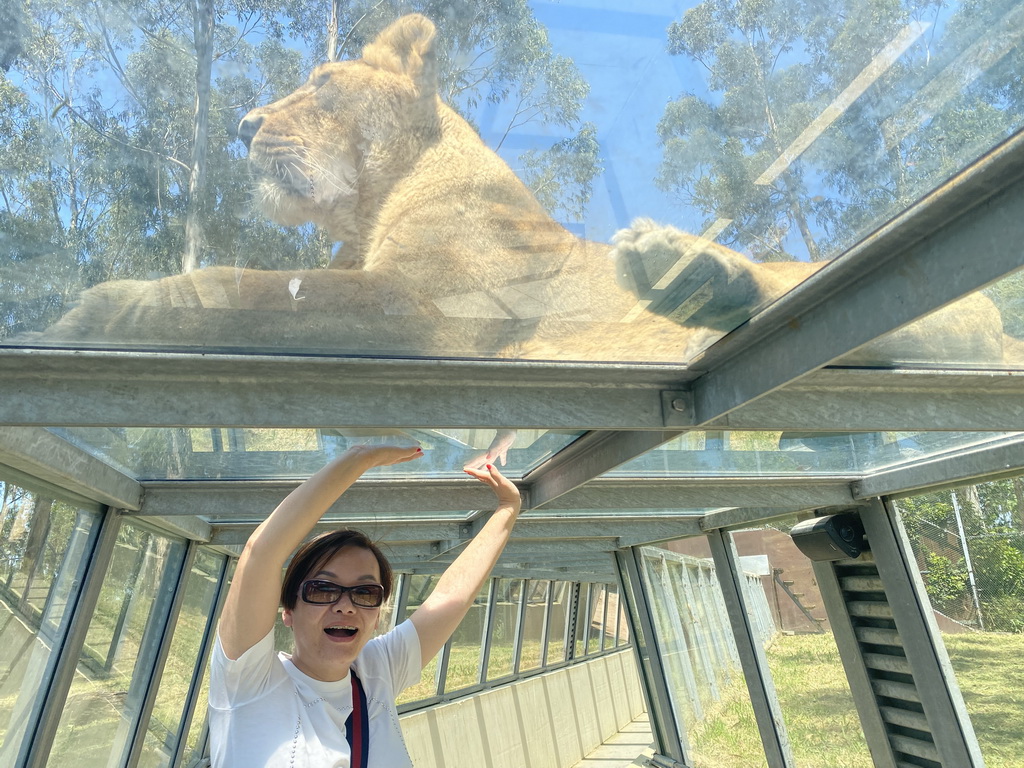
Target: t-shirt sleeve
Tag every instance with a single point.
(397, 655)
(239, 681)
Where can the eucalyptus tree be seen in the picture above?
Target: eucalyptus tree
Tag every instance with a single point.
(822, 120)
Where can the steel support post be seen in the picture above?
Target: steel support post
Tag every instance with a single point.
(35, 749)
(943, 704)
(172, 609)
(767, 711)
(199, 671)
(654, 680)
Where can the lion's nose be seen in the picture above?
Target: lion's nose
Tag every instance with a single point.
(248, 127)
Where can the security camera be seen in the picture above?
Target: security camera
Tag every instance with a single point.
(834, 537)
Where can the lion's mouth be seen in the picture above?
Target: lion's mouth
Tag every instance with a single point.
(284, 168)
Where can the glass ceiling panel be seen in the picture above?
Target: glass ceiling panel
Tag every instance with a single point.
(276, 454)
(735, 145)
(982, 330)
(273, 454)
(800, 454)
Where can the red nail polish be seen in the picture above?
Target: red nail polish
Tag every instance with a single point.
(488, 466)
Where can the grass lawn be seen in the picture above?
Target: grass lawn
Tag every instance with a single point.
(823, 727)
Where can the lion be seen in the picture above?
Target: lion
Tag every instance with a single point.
(445, 252)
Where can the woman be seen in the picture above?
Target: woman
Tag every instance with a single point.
(309, 710)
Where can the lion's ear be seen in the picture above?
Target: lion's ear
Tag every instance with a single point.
(406, 47)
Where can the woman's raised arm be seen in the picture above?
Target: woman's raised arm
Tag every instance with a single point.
(251, 605)
(439, 615)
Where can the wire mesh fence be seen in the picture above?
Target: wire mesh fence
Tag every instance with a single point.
(969, 546)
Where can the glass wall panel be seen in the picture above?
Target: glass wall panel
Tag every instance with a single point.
(561, 603)
(800, 454)
(536, 610)
(622, 634)
(195, 741)
(466, 645)
(137, 217)
(504, 625)
(193, 622)
(969, 546)
(44, 543)
(810, 682)
(116, 662)
(706, 686)
(420, 587)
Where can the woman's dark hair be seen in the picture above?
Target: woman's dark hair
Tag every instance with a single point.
(311, 556)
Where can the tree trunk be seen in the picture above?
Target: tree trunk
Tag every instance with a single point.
(202, 14)
(332, 31)
(1018, 492)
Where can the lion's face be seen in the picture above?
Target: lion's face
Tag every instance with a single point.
(311, 152)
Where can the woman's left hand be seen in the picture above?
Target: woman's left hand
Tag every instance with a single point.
(504, 489)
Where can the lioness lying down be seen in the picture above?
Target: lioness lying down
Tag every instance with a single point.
(447, 253)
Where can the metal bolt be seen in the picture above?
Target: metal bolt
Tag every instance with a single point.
(679, 404)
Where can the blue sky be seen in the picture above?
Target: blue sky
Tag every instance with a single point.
(622, 55)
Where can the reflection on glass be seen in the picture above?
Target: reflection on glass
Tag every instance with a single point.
(193, 620)
(139, 215)
(708, 694)
(969, 547)
(758, 454)
(178, 454)
(124, 633)
(43, 543)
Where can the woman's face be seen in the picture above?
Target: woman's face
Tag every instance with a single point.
(328, 638)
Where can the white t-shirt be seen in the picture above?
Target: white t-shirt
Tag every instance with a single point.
(265, 713)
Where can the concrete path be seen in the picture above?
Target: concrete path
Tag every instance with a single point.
(622, 749)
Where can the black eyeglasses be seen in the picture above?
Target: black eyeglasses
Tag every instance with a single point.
(320, 592)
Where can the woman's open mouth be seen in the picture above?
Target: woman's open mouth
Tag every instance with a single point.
(341, 631)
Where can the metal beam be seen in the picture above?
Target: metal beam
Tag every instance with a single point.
(40, 453)
(84, 388)
(701, 493)
(864, 400)
(39, 742)
(369, 499)
(949, 723)
(597, 572)
(368, 502)
(1004, 458)
(586, 459)
(922, 260)
(650, 656)
(640, 530)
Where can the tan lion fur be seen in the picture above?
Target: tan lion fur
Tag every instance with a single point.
(447, 252)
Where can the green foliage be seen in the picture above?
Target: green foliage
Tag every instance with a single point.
(775, 68)
(991, 518)
(947, 582)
